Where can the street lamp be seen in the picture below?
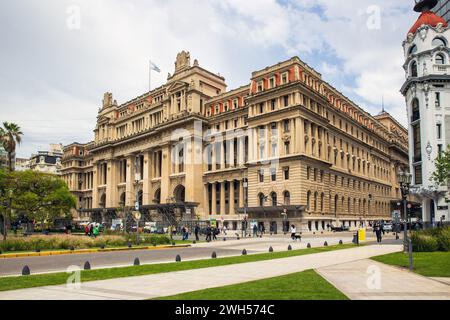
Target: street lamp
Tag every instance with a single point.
(404, 180)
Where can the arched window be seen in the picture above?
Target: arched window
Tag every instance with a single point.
(274, 198)
(287, 198)
(413, 69)
(439, 42)
(440, 59)
(412, 50)
(262, 199)
(415, 110)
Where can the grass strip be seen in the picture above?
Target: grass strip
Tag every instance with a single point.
(306, 285)
(22, 282)
(429, 264)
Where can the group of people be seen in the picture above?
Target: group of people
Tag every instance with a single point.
(261, 230)
(92, 230)
(212, 233)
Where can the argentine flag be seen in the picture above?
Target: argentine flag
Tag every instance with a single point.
(154, 67)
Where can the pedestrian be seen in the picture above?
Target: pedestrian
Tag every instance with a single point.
(263, 229)
(197, 231)
(86, 230)
(208, 234)
(91, 230)
(293, 232)
(328, 226)
(255, 231)
(225, 230)
(378, 231)
(95, 231)
(215, 233)
(183, 232)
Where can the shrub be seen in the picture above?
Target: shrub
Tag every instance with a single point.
(424, 243)
(443, 239)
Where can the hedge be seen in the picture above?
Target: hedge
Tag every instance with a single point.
(65, 242)
(431, 240)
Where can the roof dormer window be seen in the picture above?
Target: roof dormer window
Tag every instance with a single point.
(438, 42)
(412, 50)
(440, 59)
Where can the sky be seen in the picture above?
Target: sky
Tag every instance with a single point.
(59, 57)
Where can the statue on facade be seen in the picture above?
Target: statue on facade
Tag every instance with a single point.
(183, 61)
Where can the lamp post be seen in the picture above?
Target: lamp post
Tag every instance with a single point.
(404, 180)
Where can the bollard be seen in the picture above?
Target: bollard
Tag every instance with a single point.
(26, 271)
(129, 245)
(194, 242)
(309, 246)
(270, 249)
(214, 255)
(137, 262)
(38, 250)
(87, 266)
(238, 238)
(244, 252)
(325, 244)
(224, 239)
(290, 248)
(178, 258)
(341, 242)
(102, 247)
(72, 249)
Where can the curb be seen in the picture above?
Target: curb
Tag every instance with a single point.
(86, 251)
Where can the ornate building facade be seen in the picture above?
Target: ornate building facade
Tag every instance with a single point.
(427, 94)
(287, 148)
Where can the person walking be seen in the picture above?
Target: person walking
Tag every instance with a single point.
(215, 233)
(225, 230)
(379, 232)
(95, 231)
(197, 231)
(293, 232)
(183, 232)
(208, 234)
(255, 231)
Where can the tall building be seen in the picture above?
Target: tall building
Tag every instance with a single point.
(287, 148)
(427, 93)
(442, 9)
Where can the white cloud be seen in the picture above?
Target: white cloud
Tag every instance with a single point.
(50, 72)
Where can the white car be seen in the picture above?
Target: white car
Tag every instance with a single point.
(388, 227)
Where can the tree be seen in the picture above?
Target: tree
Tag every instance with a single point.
(442, 174)
(10, 137)
(42, 197)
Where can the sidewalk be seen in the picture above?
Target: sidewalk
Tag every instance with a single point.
(160, 285)
(359, 280)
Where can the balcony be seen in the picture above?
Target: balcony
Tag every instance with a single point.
(441, 69)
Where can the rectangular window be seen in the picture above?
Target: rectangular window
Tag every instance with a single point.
(273, 104)
(439, 130)
(286, 126)
(273, 174)
(287, 147)
(286, 173)
(286, 101)
(418, 175)
(438, 99)
(261, 175)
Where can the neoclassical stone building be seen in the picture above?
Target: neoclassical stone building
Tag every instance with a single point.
(287, 148)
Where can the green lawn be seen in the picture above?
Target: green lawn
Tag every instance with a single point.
(12, 283)
(429, 264)
(307, 285)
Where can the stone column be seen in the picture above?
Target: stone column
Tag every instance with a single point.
(165, 174)
(206, 200)
(241, 193)
(232, 207)
(214, 198)
(147, 197)
(222, 198)
(130, 197)
(95, 186)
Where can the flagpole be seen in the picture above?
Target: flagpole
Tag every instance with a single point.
(150, 77)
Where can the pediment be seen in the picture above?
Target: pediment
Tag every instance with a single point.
(177, 85)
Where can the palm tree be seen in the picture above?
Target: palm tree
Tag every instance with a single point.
(10, 136)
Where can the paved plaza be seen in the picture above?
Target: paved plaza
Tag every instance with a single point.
(160, 285)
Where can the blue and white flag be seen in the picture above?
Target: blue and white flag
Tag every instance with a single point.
(154, 67)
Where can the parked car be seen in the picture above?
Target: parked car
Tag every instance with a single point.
(388, 227)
